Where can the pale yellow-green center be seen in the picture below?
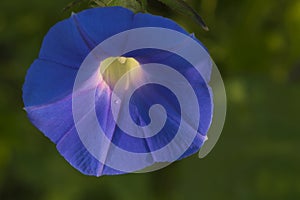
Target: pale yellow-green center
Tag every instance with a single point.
(113, 68)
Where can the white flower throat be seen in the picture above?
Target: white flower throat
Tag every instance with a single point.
(113, 68)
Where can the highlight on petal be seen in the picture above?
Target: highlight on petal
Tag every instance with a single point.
(119, 92)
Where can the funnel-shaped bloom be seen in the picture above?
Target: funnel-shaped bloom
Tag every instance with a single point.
(78, 89)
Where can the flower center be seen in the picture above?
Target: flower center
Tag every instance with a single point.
(113, 68)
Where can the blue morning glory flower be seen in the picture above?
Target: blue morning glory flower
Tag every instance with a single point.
(113, 107)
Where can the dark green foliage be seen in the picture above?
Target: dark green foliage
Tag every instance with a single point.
(256, 45)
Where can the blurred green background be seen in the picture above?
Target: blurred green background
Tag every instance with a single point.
(256, 45)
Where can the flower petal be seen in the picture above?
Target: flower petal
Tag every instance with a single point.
(141, 102)
(98, 24)
(47, 82)
(56, 122)
(71, 147)
(64, 44)
(197, 81)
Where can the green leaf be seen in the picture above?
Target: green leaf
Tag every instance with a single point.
(134, 5)
(72, 4)
(179, 6)
(183, 8)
